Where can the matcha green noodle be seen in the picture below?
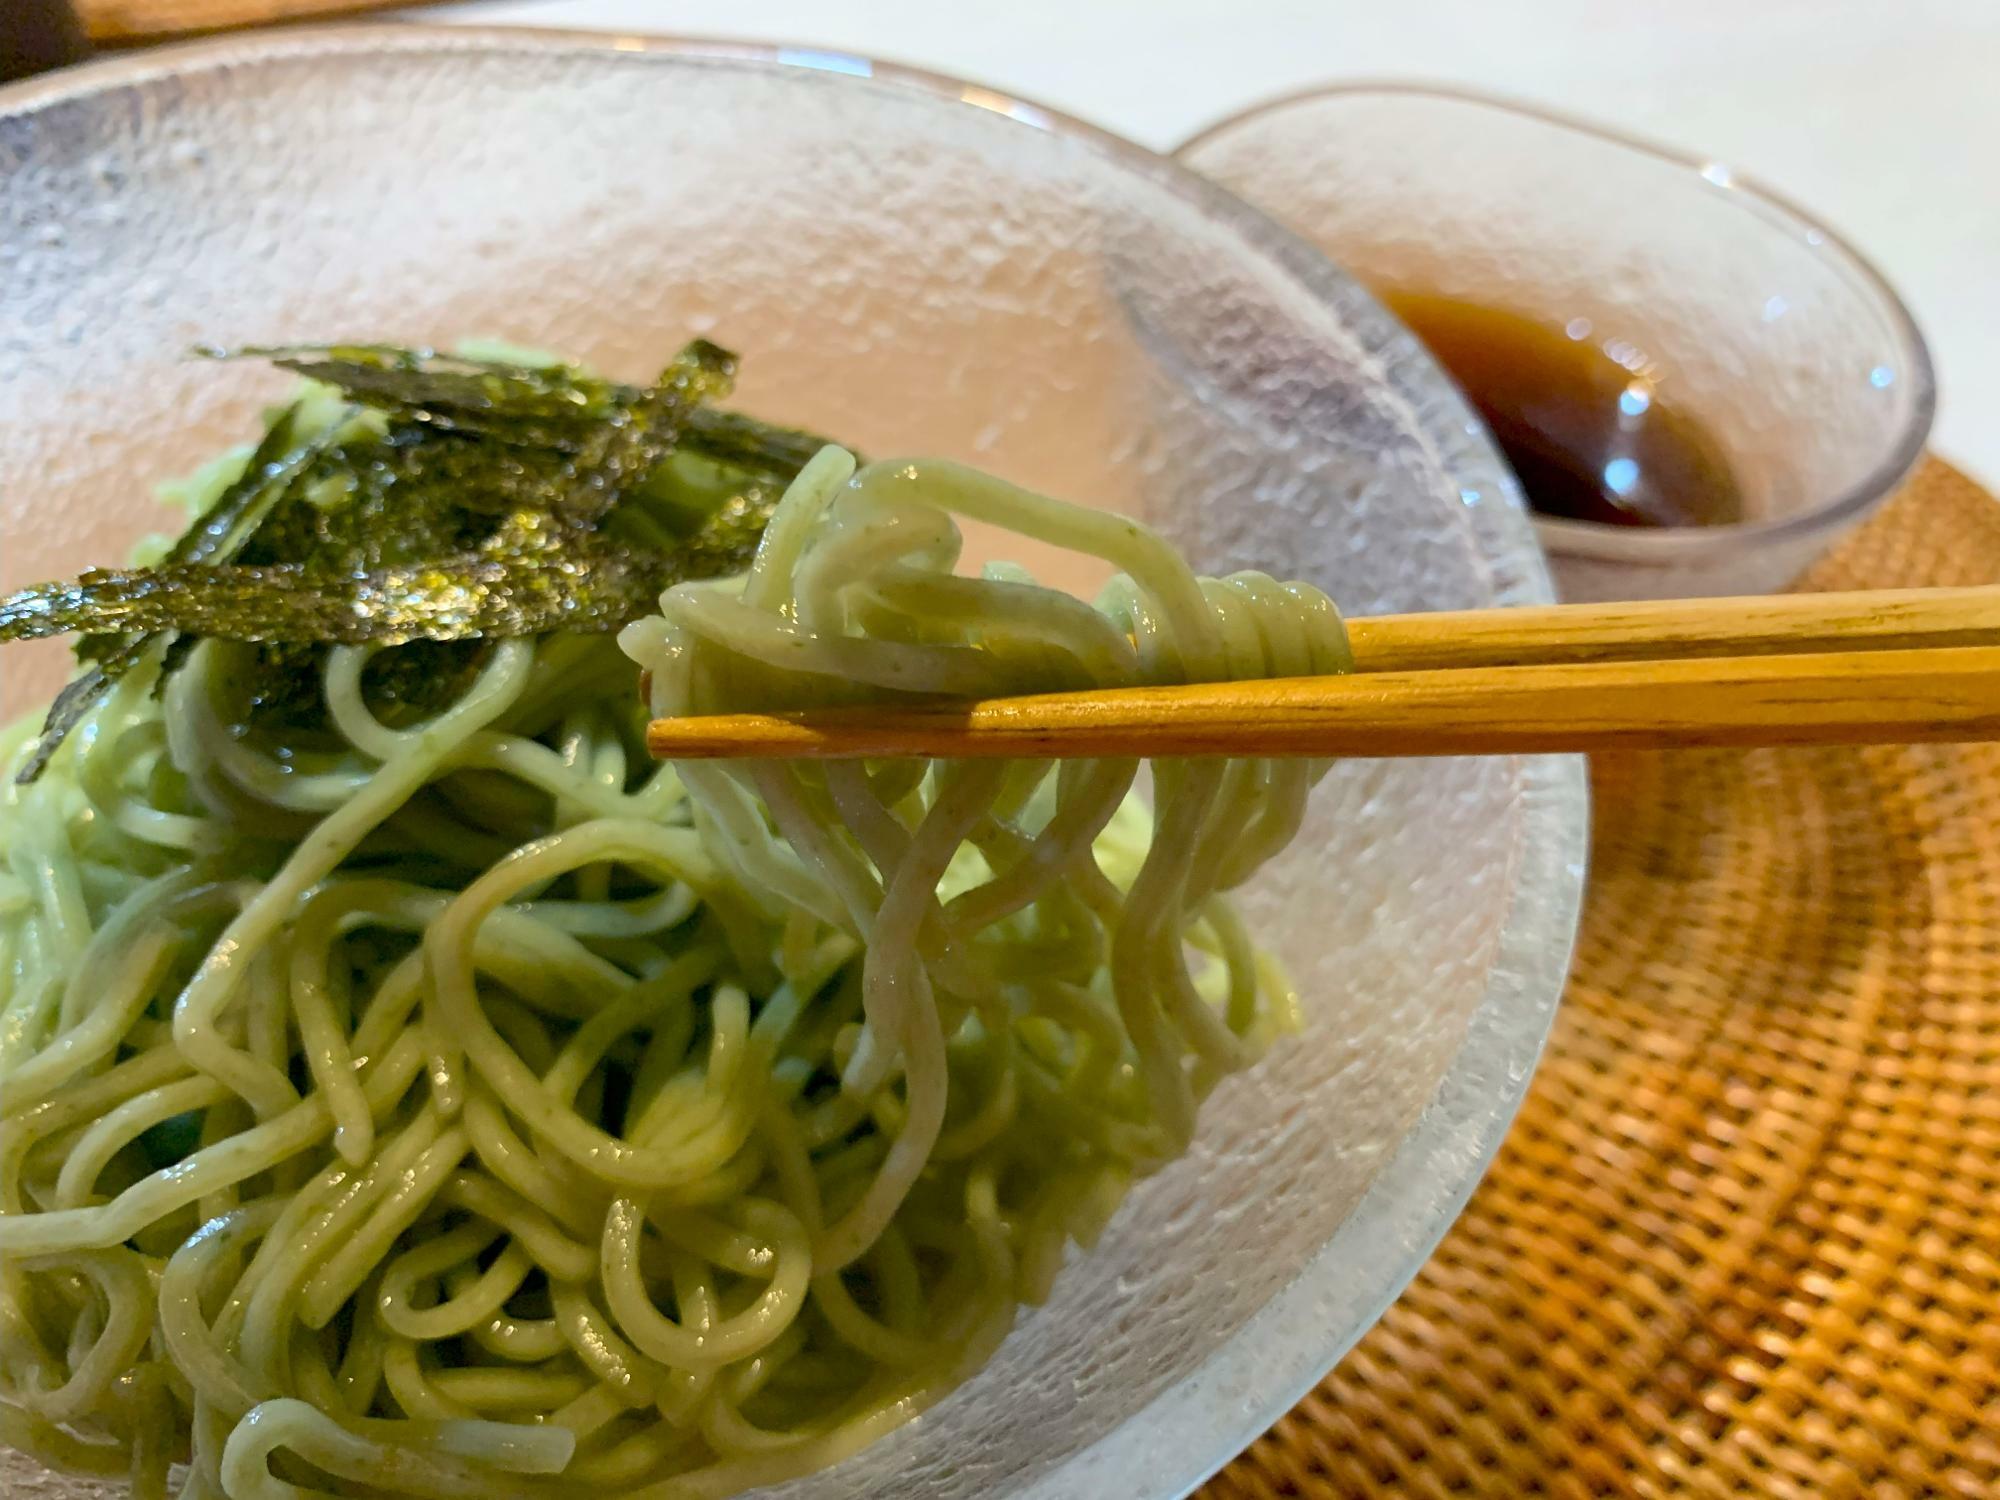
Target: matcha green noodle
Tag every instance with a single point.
(470, 1107)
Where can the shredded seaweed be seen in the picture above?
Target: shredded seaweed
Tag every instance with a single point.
(450, 500)
(584, 586)
(552, 406)
(728, 437)
(288, 448)
(77, 698)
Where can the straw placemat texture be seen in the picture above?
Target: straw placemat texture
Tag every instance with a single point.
(1744, 1236)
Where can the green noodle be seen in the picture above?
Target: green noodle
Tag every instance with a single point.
(474, 1108)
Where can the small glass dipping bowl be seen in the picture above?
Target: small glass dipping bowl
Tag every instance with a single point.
(1779, 341)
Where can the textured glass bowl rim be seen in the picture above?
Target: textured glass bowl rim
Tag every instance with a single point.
(1678, 548)
(1258, 1372)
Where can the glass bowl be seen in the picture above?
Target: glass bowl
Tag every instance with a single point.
(917, 265)
(1771, 334)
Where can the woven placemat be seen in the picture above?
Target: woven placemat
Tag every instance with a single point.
(1744, 1236)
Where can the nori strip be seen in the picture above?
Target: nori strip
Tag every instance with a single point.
(285, 453)
(77, 698)
(625, 447)
(776, 453)
(591, 585)
(554, 408)
(550, 406)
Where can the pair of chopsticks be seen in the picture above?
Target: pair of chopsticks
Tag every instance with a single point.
(1886, 667)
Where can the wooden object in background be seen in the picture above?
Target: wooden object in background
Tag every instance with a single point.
(36, 35)
(115, 23)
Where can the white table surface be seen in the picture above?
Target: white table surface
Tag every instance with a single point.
(1882, 118)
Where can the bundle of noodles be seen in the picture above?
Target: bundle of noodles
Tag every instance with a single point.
(459, 1104)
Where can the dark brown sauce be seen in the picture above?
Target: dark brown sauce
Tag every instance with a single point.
(1584, 420)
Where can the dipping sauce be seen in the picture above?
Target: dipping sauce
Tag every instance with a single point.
(1584, 420)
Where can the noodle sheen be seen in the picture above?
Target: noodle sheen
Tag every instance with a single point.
(471, 1107)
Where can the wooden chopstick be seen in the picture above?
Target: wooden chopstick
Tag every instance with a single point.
(1879, 619)
(1900, 667)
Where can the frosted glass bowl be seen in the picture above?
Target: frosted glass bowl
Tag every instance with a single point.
(920, 266)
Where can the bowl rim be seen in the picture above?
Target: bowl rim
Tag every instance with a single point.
(1594, 539)
(1262, 1368)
